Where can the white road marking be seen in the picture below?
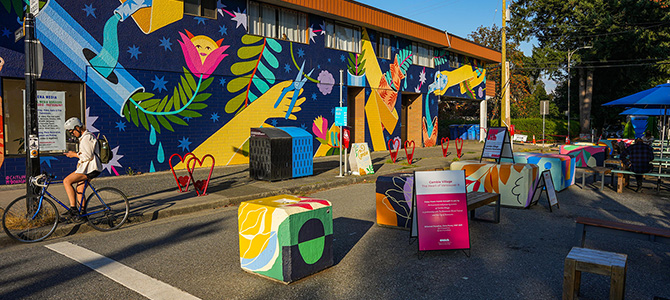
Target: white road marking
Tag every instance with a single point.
(130, 278)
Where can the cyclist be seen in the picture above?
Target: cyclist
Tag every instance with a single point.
(88, 167)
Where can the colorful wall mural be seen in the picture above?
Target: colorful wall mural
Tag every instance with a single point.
(159, 81)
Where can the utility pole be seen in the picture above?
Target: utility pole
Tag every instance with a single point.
(504, 87)
(570, 53)
(31, 140)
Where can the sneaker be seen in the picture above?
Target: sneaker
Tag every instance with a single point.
(639, 187)
(78, 219)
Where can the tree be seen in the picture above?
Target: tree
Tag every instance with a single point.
(522, 81)
(630, 40)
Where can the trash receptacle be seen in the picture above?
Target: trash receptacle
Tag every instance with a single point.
(270, 154)
(463, 131)
(302, 155)
(453, 132)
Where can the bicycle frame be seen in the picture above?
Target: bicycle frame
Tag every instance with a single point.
(81, 202)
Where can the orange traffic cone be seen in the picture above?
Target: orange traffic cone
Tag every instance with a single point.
(533, 139)
(567, 140)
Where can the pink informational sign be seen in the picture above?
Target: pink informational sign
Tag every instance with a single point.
(495, 139)
(441, 211)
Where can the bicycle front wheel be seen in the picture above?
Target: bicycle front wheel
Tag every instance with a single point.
(107, 209)
(29, 225)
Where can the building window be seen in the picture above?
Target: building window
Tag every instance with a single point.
(57, 101)
(422, 55)
(343, 37)
(384, 46)
(202, 8)
(277, 23)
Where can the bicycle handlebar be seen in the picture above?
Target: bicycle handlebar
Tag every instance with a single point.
(40, 180)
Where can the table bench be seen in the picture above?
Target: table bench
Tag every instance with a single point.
(479, 199)
(653, 234)
(595, 170)
(622, 176)
(600, 262)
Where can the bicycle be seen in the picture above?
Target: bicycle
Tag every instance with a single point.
(105, 209)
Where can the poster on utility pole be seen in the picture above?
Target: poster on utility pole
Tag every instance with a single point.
(51, 120)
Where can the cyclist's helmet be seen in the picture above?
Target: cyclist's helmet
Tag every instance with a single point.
(71, 123)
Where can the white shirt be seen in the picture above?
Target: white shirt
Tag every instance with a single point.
(89, 156)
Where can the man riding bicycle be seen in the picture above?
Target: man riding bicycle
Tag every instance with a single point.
(89, 165)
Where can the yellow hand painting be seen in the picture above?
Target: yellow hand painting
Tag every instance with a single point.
(226, 143)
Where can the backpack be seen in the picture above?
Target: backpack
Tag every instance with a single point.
(105, 151)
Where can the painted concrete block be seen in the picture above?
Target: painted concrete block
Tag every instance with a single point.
(285, 237)
(393, 194)
(562, 167)
(586, 156)
(512, 181)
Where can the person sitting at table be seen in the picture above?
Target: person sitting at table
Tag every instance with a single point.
(648, 138)
(637, 158)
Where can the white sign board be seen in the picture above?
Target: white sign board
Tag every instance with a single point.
(51, 120)
(360, 160)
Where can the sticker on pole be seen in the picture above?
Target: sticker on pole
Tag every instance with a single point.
(33, 145)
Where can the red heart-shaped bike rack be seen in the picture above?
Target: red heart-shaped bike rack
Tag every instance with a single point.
(182, 181)
(459, 149)
(409, 156)
(396, 143)
(200, 185)
(445, 140)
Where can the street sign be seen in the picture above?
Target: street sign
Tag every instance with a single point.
(341, 116)
(34, 7)
(544, 107)
(19, 34)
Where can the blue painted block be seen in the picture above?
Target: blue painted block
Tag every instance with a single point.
(303, 163)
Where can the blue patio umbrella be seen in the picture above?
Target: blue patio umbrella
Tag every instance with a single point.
(643, 112)
(657, 98)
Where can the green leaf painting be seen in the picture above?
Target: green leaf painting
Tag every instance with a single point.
(356, 64)
(404, 60)
(255, 71)
(180, 96)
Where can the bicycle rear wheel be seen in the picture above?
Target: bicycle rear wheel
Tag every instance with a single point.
(107, 210)
(29, 226)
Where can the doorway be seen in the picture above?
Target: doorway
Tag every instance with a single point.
(356, 113)
(410, 118)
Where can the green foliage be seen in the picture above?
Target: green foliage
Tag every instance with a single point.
(16, 6)
(257, 60)
(630, 41)
(181, 95)
(629, 131)
(652, 126)
(356, 64)
(555, 129)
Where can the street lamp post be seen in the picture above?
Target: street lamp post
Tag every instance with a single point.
(570, 53)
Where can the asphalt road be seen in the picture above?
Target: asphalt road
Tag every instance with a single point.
(519, 258)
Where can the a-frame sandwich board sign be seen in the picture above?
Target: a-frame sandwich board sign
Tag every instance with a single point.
(544, 182)
(497, 144)
(440, 211)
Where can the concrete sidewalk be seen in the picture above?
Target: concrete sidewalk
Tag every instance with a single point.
(155, 195)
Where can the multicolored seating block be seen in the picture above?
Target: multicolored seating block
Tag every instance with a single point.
(513, 181)
(587, 156)
(394, 199)
(285, 237)
(562, 167)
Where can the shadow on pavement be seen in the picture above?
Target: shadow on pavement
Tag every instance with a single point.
(346, 233)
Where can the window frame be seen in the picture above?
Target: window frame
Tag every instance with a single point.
(279, 31)
(12, 89)
(201, 9)
(334, 44)
(416, 55)
(380, 51)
